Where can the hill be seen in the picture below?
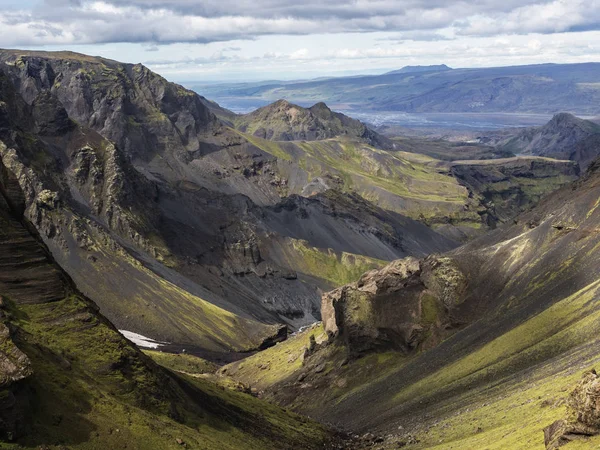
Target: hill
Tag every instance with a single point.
(563, 137)
(413, 69)
(147, 195)
(69, 379)
(283, 121)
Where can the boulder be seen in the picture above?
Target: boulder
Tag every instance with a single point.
(403, 306)
(583, 414)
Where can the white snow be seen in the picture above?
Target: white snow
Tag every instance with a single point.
(141, 341)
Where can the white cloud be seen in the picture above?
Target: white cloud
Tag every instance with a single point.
(237, 38)
(164, 21)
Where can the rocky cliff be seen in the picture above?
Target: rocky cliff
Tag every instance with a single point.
(141, 192)
(284, 121)
(404, 306)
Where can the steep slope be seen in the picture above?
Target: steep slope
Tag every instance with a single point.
(69, 379)
(543, 88)
(448, 150)
(214, 236)
(563, 137)
(500, 327)
(92, 208)
(510, 186)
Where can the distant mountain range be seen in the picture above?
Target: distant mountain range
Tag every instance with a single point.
(412, 69)
(542, 89)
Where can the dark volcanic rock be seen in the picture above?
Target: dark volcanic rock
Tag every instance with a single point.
(15, 366)
(50, 116)
(512, 185)
(563, 137)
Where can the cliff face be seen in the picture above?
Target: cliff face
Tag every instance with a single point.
(510, 186)
(404, 306)
(213, 235)
(472, 348)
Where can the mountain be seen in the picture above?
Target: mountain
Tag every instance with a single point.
(563, 137)
(213, 236)
(413, 69)
(129, 203)
(283, 121)
(542, 88)
(70, 380)
(474, 348)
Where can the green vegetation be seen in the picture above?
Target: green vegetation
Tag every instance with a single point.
(93, 390)
(403, 182)
(337, 268)
(552, 332)
(181, 362)
(277, 363)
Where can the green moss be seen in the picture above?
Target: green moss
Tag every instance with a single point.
(431, 308)
(336, 268)
(182, 362)
(557, 329)
(379, 176)
(92, 390)
(277, 363)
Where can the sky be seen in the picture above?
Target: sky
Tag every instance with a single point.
(250, 40)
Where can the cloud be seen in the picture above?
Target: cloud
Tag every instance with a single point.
(64, 22)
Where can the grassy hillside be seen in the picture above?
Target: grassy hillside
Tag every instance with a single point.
(397, 181)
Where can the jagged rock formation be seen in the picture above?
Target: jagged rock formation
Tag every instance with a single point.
(214, 236)
(510, 186)
(404, 306)
(15, 367)
(583, 414)
(563, 137)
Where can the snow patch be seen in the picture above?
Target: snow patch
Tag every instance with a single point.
(141, 341)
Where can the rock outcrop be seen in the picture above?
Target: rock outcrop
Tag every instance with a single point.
(583, 414)
(510, 186)
(406, 305)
